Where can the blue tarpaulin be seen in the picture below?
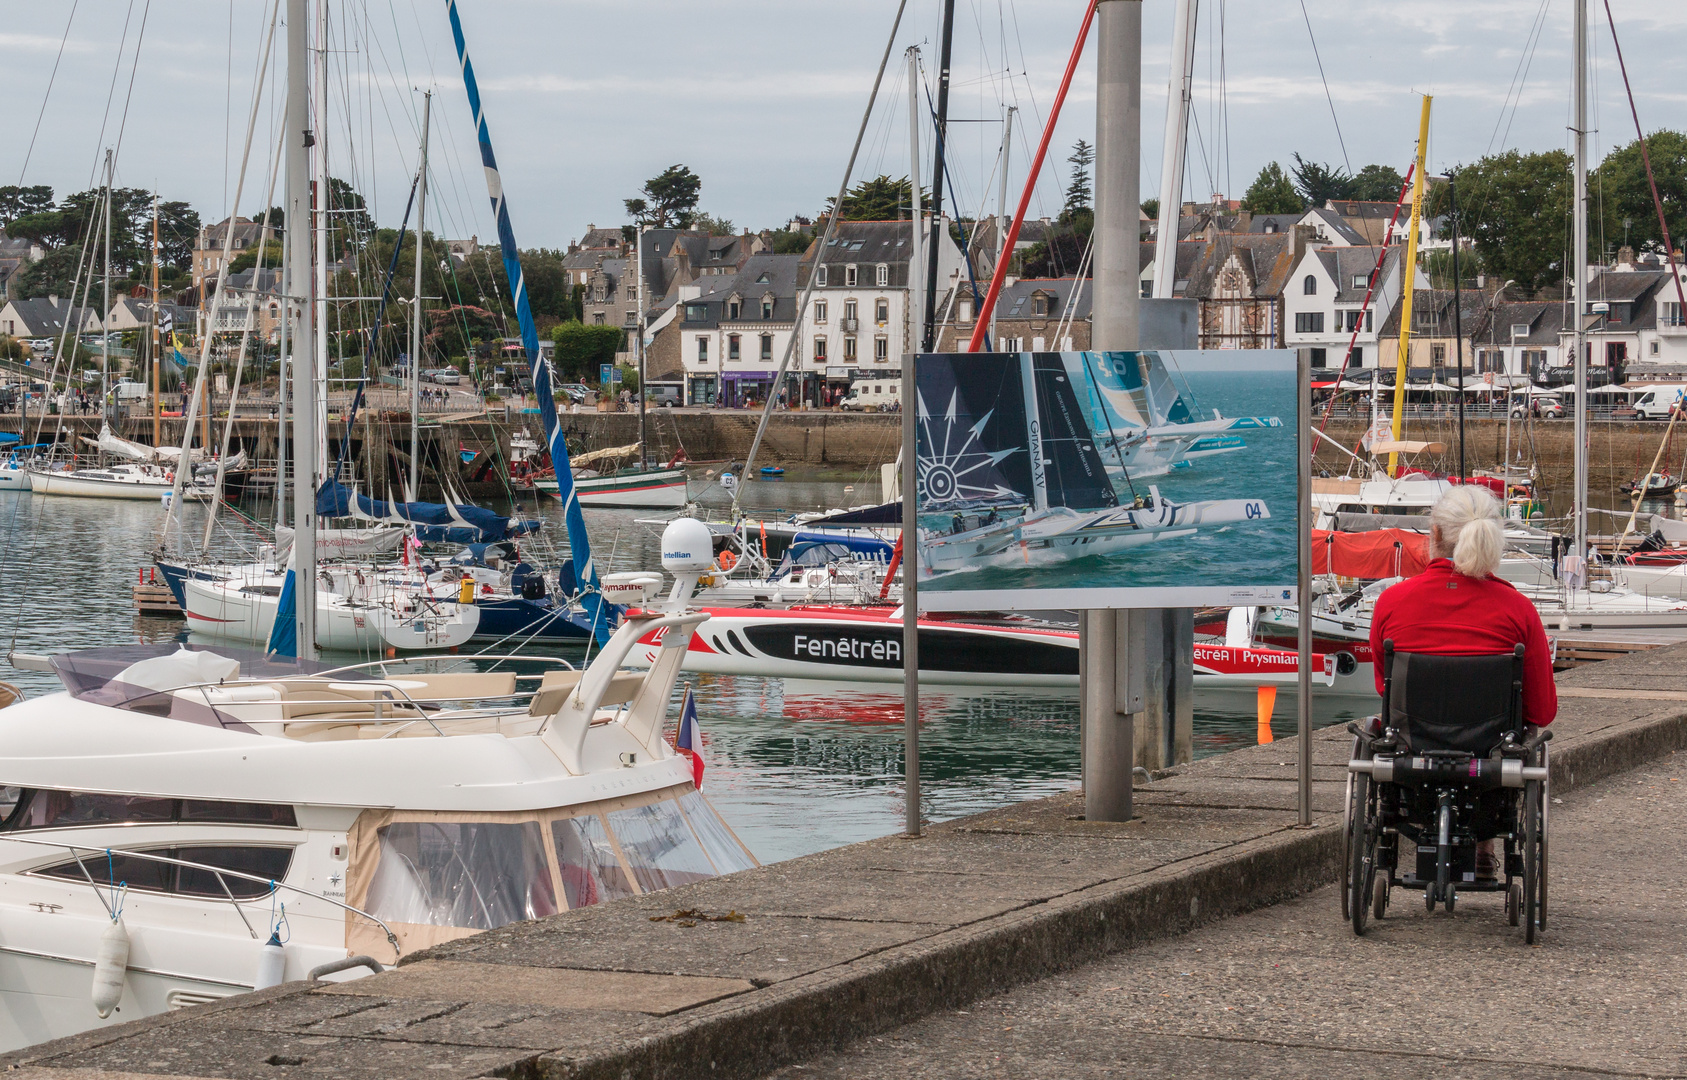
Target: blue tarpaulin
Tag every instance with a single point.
(435, 522)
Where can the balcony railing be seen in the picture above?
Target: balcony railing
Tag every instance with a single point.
(850, 326)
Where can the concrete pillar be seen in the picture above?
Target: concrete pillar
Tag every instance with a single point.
(1110, 653)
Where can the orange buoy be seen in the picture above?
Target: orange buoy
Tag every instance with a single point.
(1267, 705)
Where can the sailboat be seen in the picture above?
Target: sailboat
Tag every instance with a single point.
(1143, 424)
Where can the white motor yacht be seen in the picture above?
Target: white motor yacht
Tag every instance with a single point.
(183, 826)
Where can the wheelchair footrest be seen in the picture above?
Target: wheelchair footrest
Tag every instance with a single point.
(1412, 881)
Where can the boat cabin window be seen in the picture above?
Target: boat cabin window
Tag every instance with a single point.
(591, 873)
(42, 809)
(148, 875)
(660, 846)
(478, 875)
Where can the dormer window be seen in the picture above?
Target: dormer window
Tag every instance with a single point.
(881, 275)
(766, 308)
(849, 276)
(1309, 286)
(764, 279)
(733, 307)
(820, 275)
(1040, 303)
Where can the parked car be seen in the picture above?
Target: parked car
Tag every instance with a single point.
(1547, 408)
(445, 376)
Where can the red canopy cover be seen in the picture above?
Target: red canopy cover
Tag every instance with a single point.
(1380, 554)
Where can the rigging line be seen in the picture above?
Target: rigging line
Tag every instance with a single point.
(1327, 96)
(129, 95)
(820, 251)
(111, 91)
(1519, 76)
(1224, 98)
(228, 105)
(1646, 159)
(48, 93)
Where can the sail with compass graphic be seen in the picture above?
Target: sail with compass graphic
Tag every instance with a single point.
(976, 434)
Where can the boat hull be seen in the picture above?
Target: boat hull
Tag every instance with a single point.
(231, 611)
(88, 487)
(660, 489)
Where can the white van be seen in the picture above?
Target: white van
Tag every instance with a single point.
(1656, 403)
(873, 395)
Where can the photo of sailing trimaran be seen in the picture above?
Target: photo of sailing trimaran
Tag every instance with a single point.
(1032, 461)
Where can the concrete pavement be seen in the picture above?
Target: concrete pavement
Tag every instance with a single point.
(1288, 991)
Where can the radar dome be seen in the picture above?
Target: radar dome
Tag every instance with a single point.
(687, 547)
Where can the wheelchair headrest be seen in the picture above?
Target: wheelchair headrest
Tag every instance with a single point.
(1463, 703)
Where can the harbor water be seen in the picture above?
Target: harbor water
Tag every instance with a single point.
(795, 767)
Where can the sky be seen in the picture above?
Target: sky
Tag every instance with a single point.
(763, 98)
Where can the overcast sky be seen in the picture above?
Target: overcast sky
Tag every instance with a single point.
(762, 98)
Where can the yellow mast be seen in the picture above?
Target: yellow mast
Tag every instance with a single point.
(1408, 276)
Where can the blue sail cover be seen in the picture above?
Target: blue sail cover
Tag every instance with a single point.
(579, 544)
(435, 522)
(284, 635)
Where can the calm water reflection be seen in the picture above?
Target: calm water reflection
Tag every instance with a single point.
(795, 767)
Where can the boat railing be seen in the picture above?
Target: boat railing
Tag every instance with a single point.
(220, 873)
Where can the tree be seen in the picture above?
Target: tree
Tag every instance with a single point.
(786, 242)
(1628, 195)
(1319, 183)
(670, 199)
(712, 225)
(1515, 209)
(456, 329)
(1151, 207)
(879, 199)
(1272, 193)
(247, 259)
(17, 201)
(580, 349)
(178, 230)
(52, 275)
(350, 226)
(1078, 194)
(1056, 257)
(1377, 183)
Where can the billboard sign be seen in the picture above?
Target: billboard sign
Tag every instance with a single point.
(1093, 480)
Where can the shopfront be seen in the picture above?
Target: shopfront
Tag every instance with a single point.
(701, 390)
(742, 389)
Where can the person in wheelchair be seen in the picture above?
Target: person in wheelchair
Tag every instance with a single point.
(1465, 672)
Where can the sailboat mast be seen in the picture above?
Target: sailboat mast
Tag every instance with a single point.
(941, 138)
(1578, 257)
(1409, 277)
(639, 284)
(324, 221)
(416, 305)
(1002, 210)
(155, 419)
(1179, 94)
(916, 257)
(300, 139)
(105, 313)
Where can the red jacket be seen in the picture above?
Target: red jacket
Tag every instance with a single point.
(1444, 613)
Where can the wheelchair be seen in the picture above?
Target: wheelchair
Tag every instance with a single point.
(1449, 763)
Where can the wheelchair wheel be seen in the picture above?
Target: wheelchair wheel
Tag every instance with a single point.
(1361, 855)
(1546, 820)
(1350, 812)
(1379, 897)
(1531, 859)
(1514, 903)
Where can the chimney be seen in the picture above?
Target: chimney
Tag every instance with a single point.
(1625, 256)
(1244, 221)
(1303, 237)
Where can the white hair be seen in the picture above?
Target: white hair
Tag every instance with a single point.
(1468, 519)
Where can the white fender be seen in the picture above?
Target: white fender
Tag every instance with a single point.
(272, 964)
(111, 962)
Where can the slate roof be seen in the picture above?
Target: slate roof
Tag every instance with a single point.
(1188, 255)
(1015, 300)
(41, 317)
(1544, 318)
(602, 238)
(1335, 224)
(868, 243)
(1267, 260)
(781, 273)
(1344, 264)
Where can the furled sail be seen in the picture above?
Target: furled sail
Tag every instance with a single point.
(454, 523)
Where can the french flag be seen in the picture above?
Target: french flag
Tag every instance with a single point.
(690, 739)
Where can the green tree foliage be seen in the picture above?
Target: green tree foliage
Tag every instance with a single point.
(879, 199)
(670, 199)
(1515, 208)
(1377, 183)
(1151, 207)
(1621, 178)
(1273, 192)
(52, 275)
(1078, 193)
(1318, 183)
(350, 227)
(10, 348)
(249, 258)
(581, 348)
(178, 228)
(16, 202)
(1061, 253)
(786, 242)
(457, 329)
(714, 226)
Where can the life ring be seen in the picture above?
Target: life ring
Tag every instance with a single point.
(726, 560)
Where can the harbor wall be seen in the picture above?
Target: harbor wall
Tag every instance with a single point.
(1618, 450)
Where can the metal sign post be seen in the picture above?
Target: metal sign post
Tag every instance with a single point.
(1303, 595)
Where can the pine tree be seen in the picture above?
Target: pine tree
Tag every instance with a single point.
(1273, 193)
(1078, 194)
